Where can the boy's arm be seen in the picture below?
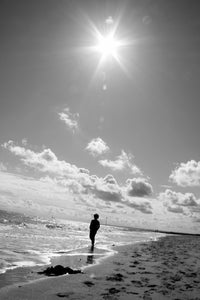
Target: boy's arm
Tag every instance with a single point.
(90, 225)
(98, 226)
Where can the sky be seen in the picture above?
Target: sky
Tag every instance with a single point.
(88, 129)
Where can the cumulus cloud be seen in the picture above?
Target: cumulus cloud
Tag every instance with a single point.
(139, 187)
(78, 181)
(175, 202)
(32, 194)
(70, 119)
(44, 161)
(107, 189)
(142, 206)
(107, 193)
(122, 162)
(97, 147)
(187, 174)
(187, 199)
(70, 176)
(110, 179)
(175, 209)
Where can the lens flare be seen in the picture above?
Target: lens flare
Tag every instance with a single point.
(107, 46)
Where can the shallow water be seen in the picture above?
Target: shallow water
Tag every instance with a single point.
(30, 245)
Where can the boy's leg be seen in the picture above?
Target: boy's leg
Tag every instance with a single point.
(92, 238)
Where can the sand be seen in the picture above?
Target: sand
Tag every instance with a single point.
(165, 269)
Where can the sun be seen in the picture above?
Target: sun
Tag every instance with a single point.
(107, 46)
(108, 43)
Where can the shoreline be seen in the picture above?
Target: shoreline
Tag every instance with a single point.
(97, 259)
(78, 258)
(168, 268)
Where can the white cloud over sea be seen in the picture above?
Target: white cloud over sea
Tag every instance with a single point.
(178, 202)
(97, 147)
(187, 174)
(139, 187)
(70, 119)
(59, 187)
(79, 181)
(122, 162)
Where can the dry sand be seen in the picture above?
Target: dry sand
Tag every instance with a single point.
(165, 269)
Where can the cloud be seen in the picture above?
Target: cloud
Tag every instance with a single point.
(45, 161)
(106, 193)
(24, 142)
(110, 179)
(26, 190)
(122, 162)
(187, 199)
(176, 202)
(139, 187)
(97, 147)
(70, 120)
(107, 189)
(166, 186)
(187, 174)
(79, 181)
(142, 206)
(175, 209)
(76, 180)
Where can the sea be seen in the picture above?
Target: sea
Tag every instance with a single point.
(29, 246)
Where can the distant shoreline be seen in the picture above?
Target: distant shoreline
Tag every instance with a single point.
(177, 233)
(152, 230)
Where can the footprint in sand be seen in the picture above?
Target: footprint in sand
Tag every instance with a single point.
(117, 263)
(115, 277)
(88, 283)
(136, 255)
(145, 279)
(64, 295)
(131, 273)
(137, 283)
(111, 291)
(193, 274)
(152, 285)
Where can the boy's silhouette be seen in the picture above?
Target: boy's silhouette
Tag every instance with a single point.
(94, 227)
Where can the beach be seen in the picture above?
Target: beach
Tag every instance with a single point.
(168, 268)
(100, 150)
(24, 249)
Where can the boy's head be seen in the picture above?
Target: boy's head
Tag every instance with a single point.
(96, 216)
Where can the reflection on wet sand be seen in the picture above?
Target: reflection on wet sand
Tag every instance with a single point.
(90, 258)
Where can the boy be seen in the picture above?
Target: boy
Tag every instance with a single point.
(94, 227)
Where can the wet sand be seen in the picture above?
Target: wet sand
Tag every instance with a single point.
(165, 269)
